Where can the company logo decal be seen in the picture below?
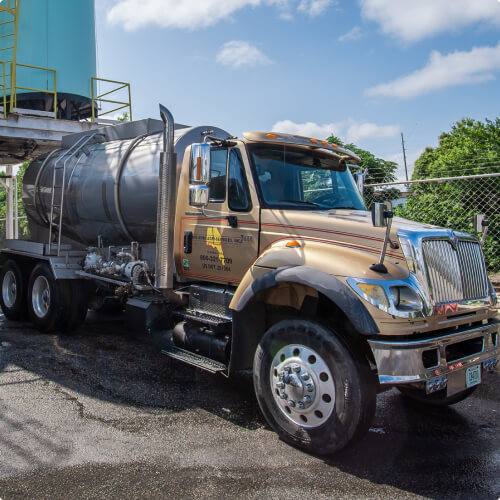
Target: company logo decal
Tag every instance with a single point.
(214, 240)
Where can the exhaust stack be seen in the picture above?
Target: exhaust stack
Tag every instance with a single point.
(165, 219)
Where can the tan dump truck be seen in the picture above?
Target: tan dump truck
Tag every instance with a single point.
(255, 253)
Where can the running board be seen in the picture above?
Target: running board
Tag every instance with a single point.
(193, 359)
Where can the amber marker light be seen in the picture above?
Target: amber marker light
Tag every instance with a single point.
(333, 145)
(293, 244)
(271, 136)
(314, 141)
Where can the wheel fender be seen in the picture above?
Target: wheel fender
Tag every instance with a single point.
(243, 341)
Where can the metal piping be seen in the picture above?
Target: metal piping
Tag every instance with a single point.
(36, 189)
(164, 269)
(118, 178)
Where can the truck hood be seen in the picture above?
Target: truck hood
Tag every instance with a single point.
(352, 241)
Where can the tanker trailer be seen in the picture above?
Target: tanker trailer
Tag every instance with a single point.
(93, 212)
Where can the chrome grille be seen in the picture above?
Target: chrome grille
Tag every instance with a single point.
(474, 276)
(455, 275)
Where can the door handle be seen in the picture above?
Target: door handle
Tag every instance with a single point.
(232, 220)
(188, 241)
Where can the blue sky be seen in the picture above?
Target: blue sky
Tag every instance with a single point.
(365, 70)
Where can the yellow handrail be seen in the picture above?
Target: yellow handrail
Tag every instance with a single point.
(15, 87)
(3, 89)
(98, 98)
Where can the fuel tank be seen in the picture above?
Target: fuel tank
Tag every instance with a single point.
(110, 188)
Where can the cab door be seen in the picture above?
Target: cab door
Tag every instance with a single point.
(221, 244)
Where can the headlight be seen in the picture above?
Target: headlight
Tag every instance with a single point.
(494, 299)
(376, 293)
(405, 298)
(399, 298)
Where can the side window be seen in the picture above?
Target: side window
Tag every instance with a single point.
(218, 175)
(238, 192)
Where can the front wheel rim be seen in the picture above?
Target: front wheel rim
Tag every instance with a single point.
(40, 298)
(9, 289)
(302, 385)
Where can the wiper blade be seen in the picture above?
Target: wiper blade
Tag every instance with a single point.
(302, 202)
(344, 208)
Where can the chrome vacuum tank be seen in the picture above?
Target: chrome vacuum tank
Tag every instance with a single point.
(111, 188)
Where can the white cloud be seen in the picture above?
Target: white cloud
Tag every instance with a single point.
(238, 53)
(412, 20)
(349, 130)
(314, 7)
(457, 68)
(195, 14)
(353, 34)
(307, 129)
(360, 131)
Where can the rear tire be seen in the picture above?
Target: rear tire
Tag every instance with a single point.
(54, 305)
(79, 304)
(330, 394)
(13, 291)
(438, 399)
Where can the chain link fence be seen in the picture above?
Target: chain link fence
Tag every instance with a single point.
(448, 202)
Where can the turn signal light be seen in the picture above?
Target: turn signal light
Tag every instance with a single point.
(293, 244)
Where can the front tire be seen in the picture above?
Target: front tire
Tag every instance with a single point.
(311, 389)
(13, 291)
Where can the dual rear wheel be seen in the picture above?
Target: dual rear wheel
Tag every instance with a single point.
(50, 304)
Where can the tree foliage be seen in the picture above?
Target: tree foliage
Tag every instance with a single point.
(23, 224)
(377, 171)
(470, 148)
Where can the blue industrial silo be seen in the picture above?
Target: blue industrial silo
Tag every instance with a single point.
(56, 34)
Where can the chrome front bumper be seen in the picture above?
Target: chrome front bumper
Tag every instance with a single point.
(410, 361)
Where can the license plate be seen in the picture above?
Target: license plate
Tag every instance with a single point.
(473, 376)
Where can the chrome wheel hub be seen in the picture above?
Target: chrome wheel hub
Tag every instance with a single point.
(40, 296)
(9, 289)
(302, 385)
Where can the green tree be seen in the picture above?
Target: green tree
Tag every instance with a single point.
(23, 224)
(470, 148)
(378, 171)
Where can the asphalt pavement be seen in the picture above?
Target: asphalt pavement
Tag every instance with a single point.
(103, 414)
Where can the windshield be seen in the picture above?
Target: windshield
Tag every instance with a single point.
(292, 177)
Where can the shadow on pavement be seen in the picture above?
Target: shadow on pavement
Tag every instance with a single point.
(104, 361)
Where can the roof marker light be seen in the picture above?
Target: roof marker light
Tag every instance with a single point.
(314, 140)
(271, 136)
(333, 145)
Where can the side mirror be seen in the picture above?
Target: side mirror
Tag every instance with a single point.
(479, 222)
(480, 225)
(200, 164)
(199, 175)
(199, 195)
(359, 178)
(382, 217)
(380, 213)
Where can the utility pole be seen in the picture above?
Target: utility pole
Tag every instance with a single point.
(404, 155)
